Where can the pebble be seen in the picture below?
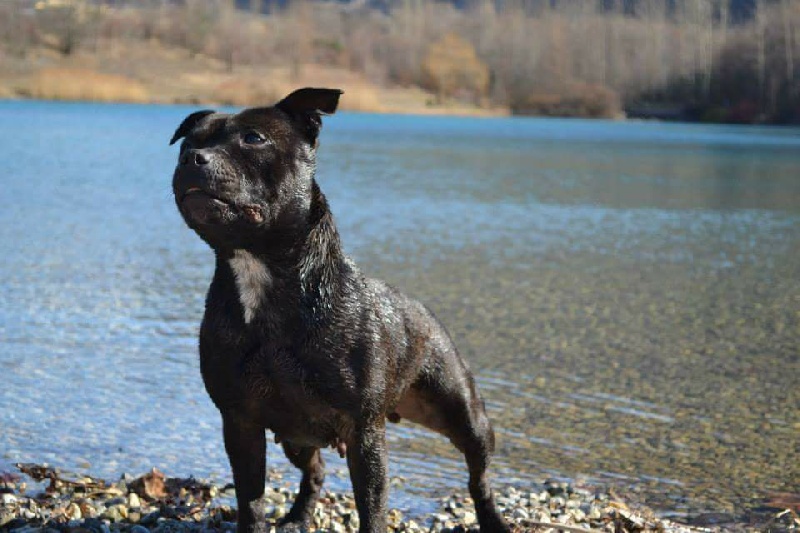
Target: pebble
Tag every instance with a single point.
(134, 501)
(276, 497)
(192, 509)
(73, 512)
(520, 514)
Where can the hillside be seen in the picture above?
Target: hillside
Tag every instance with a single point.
(151, 72)
(709, 60)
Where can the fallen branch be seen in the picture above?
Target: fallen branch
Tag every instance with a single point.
(562, 527)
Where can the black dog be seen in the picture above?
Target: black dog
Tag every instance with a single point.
(295, 339)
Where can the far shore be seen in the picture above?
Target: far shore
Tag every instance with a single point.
(155, 74)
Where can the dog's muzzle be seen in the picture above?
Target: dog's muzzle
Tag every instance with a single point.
(201, 207)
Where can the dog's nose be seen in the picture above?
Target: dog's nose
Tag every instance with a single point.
(195, 157)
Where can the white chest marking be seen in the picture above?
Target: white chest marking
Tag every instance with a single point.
(252, 277)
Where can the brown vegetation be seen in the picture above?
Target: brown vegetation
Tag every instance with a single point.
(251, 90)
(574, 100)
(82, 84)
(451, 67)
(563, 57)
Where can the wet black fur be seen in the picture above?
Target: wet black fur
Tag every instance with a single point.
(328, 354)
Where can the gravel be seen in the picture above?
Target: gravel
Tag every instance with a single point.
(44, 499)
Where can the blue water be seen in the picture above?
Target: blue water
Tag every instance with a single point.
(510, 228)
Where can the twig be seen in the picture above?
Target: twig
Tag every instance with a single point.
(562, 527)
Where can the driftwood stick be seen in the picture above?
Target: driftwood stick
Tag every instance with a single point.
(562, 527)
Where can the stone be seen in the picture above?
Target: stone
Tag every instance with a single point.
(73, 512)
(440, 518)
(280, 512)
(15, 523)
(116, 513)
(276, 498)
(150, 518)
(557, 502)
(134, 501)
(578, 515)
(87, 509)
(520, 514)
(469, 518)
(6, 517)
(94, 525)
(595, 513)
(395, 517)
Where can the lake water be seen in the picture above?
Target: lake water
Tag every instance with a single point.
(627, 293)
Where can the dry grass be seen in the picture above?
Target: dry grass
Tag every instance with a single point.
(6, 92)
(243, 92)
(251, 90)
(61, 83)
(152, 72)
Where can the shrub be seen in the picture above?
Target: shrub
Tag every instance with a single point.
(451, 68)
(576, 100)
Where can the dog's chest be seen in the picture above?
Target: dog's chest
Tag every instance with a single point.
(292, 399)
(252, 279)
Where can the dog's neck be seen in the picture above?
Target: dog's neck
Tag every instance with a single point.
(309, 266)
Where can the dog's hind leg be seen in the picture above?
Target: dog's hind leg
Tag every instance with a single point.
(309, 460)
(477, 444)
(447, 401)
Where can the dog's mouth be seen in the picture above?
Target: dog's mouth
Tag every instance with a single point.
(202, 206)
(198, 194)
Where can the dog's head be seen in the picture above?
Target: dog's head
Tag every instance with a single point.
(247, 177)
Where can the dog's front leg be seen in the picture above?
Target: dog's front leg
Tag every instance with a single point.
(366, 458)
(246, 445)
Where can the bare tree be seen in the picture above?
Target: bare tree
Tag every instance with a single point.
(759, 29)
(64, 24)
(200, 18)
(17, 30)
(788, 39)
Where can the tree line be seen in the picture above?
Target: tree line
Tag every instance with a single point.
(687, 59)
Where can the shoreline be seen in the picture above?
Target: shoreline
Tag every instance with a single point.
(465, 112)
(44, 499)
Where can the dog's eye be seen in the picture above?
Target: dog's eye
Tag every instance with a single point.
(254, 138)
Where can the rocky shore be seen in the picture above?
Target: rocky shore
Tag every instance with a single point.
(43, 499)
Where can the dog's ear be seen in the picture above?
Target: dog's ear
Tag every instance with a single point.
(308, 105)
(189, 123)
(311, 100)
